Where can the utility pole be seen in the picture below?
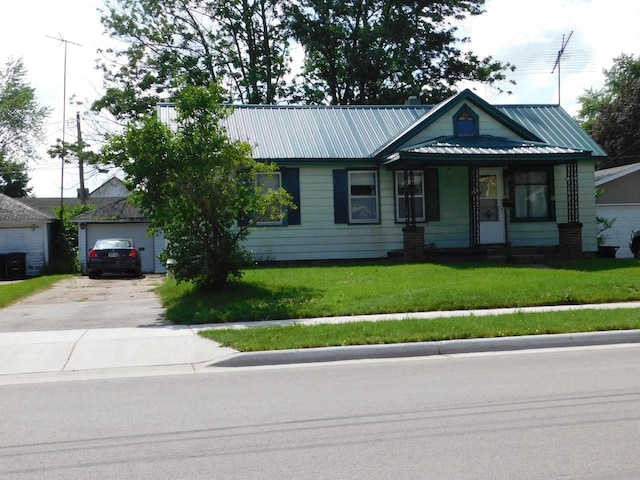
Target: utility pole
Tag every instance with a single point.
(64, 115)
(83, 193)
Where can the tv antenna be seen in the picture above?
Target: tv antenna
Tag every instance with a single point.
(565, 42)
(64, 116)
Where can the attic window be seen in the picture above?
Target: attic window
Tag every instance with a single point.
(466, 123)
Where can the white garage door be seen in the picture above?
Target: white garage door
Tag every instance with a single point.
(136, 231)
(627, 219)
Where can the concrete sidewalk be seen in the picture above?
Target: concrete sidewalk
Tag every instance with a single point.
(99, 353)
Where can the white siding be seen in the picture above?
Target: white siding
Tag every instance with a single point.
(627, 218)
(31, 242)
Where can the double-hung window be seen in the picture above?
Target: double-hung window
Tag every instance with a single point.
(266, 182)
(404, 184)
(363, 196)
(532, 194)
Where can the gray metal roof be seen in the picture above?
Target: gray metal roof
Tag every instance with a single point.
(486, 145)
(13, 210)
(552, 124)
(299, 132)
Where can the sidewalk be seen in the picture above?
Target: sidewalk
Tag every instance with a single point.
(116, 352)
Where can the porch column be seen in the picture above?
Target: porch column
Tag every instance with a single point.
(570, 233)
(413, 243)
(474, 207)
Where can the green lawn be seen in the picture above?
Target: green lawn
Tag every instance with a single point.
(403, 331)
(286, 292)
(11, 292)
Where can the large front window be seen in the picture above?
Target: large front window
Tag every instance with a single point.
(532, 195)
(363, 196)
(405, 183)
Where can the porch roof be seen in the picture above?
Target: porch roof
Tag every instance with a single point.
(481, 150)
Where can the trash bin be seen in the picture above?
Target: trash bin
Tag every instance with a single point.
(16, 265)
(3, 268)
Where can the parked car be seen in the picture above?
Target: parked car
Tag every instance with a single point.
(634, 244)
(114, 255)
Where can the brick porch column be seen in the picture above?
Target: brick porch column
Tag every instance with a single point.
(413, 242)
(570, 237)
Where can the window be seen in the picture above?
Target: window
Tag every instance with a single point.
(363, 196)
(287, 178)
(465, 123)
(402, 184)
(266, 182)
(532, 195)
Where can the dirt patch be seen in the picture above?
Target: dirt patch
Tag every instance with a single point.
(84, 289)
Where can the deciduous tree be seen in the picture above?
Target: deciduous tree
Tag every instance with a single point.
(21, 126)
(194, 183)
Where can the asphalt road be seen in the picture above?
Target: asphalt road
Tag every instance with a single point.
(570, 414)
(82, 303)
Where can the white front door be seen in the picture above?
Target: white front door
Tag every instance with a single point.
(491, 209)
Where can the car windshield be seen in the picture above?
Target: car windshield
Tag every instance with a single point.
(113, 243)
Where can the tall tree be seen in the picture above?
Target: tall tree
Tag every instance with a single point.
(612, 114)
(238, 43)
(383, 51)
(194, 184)
(21, 128)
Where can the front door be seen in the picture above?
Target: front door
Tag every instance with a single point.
(491, 209)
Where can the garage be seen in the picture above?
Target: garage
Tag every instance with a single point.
(120, 220)
(619, 199)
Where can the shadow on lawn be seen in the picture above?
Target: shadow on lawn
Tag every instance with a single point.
(239, 303)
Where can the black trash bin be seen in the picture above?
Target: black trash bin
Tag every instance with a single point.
(16, 265)
(3, 268)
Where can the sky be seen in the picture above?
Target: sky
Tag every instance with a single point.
(528, 34)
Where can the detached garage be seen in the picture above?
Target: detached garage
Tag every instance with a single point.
(120, 220)
(24, 239)
(619, 200)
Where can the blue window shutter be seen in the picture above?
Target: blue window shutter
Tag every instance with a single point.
(340, 196)
(432, 186)
(291, 183)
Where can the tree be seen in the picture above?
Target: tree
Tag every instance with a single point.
(382, 51)
(194, 184)
(611, 115)
(21, 127)
(237, 43)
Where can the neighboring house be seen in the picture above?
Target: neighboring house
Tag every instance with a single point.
(114, 187)
(464, 175)
(23, 230)
(118, 219)
(619, 200)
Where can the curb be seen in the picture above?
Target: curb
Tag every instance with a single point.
(423, 349)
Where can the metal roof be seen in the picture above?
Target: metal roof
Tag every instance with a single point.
(552, 124)
(486, 145)
(297, 132)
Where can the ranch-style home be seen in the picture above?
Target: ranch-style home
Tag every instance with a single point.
(463, 176)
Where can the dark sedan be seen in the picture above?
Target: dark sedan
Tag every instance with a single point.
(114, 255)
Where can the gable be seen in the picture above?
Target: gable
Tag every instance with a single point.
(444, 126)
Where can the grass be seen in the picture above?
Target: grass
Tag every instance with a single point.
(404, 331)
(11, 292)
(290, 292)
(286, 292)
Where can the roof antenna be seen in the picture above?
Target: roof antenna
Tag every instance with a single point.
(64, 114)
(565, 42)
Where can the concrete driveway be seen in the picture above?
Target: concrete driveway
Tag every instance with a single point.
(82, 303)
